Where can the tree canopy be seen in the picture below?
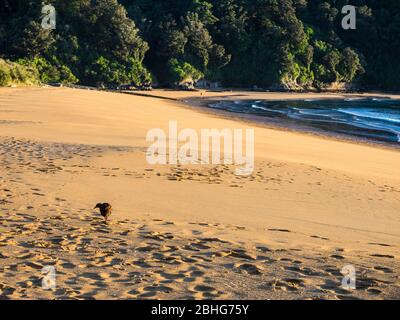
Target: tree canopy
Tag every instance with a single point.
(265, 43)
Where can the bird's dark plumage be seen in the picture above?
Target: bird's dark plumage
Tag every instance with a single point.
(105, 210)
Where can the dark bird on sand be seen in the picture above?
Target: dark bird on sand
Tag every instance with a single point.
(105, 210)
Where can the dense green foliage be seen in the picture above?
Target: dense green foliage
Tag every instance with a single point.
(94, 41)
(49, 72)
(266, 43)
(15, 74)
(180, 72)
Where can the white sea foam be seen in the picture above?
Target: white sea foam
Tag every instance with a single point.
(254, 106)
(370, 119)
(370, 114)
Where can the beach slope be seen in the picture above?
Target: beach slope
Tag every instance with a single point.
(312, 206)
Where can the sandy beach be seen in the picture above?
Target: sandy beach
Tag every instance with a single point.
(312, 206)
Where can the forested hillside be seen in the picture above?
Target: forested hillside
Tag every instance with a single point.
(265, 43)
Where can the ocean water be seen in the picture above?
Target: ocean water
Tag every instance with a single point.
(376, 119)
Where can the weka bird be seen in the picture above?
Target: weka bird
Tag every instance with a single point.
(105, 210)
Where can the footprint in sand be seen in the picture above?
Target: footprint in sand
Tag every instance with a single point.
(379, 244)
(279, 230)
(378, 255)
(248, 268)
(319, 237)
(383, 269)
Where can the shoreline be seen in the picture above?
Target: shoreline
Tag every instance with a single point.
(311, 206)
(189, 99)
(262, 122)
(202, 105)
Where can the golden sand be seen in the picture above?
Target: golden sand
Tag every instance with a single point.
(312, 206)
